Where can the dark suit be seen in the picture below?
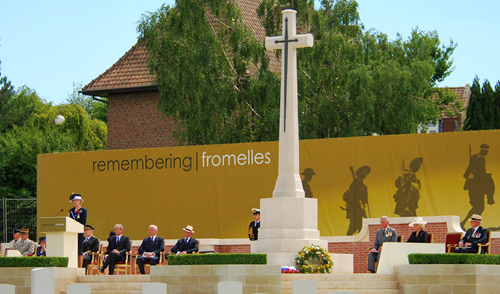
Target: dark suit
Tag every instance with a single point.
(39, 251)
(157, 246)
(181, 245)
(123, 246)
(253, 231)
(474, 238)
(89, 246)
(389, 235)
(421, 238)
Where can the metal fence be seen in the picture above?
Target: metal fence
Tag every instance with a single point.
(17, 213)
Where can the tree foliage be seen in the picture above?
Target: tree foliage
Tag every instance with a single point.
(483, 111)
(95, 109)
(215, 81)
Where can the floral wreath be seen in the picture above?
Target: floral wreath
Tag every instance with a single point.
(313, 252)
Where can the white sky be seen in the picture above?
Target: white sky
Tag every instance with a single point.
(49, 45)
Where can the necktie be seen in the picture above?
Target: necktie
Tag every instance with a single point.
(186, 240)
(117, 240)
(152, 240)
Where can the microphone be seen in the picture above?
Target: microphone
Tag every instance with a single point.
(59, 212)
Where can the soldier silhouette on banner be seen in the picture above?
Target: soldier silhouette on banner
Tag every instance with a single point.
(478, 182)
(356, 200)
(308, 174)
(408, 192)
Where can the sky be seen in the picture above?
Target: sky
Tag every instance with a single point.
(51, 45)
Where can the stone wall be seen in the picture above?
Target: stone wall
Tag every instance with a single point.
(191, 279)
(21, 278)
(448, 278)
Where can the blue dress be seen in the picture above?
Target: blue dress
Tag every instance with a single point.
(38, 253)
(81, 217)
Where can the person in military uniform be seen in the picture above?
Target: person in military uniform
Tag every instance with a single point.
(478, 183)
(26, 247)
(90, 245)
(473, 236)
(356, 199)
(187, 245)
(408, 193)
(79, 214)
(16, 234)
(41, 250)
(253, 228)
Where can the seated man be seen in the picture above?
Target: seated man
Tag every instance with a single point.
(16, 233)
(90, 244)
(150, 249)
(187, 245)
(385, 234)
(118, 247)
(41, 250)
(473, 236)
(25, 246)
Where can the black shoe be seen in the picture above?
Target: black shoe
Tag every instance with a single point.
(101, 269)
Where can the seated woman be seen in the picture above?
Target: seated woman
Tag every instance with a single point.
(419, 235)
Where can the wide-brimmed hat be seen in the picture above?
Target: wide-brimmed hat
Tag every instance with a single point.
(255, 211)
(189, 229)
(42, 239)
(418, 221)
(75, 197)
(476, 217)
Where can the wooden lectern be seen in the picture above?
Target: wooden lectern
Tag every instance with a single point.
(62, 237)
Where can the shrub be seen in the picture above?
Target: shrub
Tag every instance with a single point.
(34, 261)
(427, 258)
(222, 258)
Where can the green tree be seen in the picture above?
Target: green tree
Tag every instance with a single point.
(215, 81)
(483, 111)
(95, 109)
(489, 109)
(6, 93)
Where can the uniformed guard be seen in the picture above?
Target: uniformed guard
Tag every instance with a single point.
(26, 247)
(253, 228)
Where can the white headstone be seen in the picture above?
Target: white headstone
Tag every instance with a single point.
(229, 287)
(7, 289)
(305, 287)
(289, 221)
(154, 288)
(42, 281)
(78, 288)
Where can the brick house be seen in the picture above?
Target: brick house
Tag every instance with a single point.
(133, 120)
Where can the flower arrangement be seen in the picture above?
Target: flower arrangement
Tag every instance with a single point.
(313, 252)
(289, 270)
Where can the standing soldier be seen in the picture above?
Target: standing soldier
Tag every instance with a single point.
(356, 199)
(253, 228)
(478, 182)
(308, 174)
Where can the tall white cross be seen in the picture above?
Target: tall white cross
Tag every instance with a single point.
(289, 183)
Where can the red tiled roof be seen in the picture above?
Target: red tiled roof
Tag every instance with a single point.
(463, 93)
(131, 70)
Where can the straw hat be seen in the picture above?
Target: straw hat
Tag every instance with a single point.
(476, 217)
(189, 229)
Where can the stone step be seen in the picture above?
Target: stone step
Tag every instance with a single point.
(349, 285)
(338, 277)
(114, 279)
(356, 291)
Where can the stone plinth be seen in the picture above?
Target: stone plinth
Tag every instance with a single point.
(191, 279)
(448, 278)
(288, 224)
(21, 278)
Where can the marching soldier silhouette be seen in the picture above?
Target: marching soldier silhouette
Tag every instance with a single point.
(356, 199)
(408, 192)
(478, 182)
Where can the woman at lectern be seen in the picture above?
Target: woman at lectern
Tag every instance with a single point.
(79, 214)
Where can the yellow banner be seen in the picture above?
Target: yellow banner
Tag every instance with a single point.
(213, 188)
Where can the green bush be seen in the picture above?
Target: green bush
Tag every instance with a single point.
(34, 261)
(462, 258)
(223, 258)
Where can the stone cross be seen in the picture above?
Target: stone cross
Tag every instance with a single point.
(289, 183)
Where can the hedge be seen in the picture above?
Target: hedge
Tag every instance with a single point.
(221, 258)
(33, 261)
(462, 258)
